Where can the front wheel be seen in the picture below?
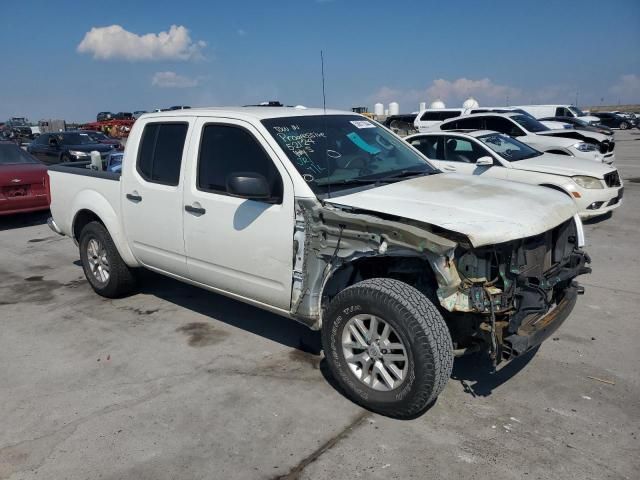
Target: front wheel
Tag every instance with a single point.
(624, 126)
(387, 346)
(105, 270)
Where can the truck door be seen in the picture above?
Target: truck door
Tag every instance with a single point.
(233, 244)
(152, 189)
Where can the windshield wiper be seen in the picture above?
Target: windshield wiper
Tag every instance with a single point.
(375, 181)
(406, 173)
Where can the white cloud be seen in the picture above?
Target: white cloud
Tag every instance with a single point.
(116, 43)
(627, 88)
(173, 80)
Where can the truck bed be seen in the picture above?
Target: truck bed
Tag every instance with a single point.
(74, 187)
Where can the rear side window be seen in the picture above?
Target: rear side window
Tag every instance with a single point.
(160, 155)
(428, 146)
(227, 149)
(439, 115)
(464, 124)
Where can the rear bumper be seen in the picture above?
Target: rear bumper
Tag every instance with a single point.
(532, 334)
(35, 203)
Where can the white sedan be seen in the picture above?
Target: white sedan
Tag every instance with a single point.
(595, 187)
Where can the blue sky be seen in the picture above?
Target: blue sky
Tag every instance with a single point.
(236, 52)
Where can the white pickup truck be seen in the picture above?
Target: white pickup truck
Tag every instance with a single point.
(330, 219)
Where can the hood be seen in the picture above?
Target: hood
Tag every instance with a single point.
(563, 165)
(572, 133)
(486, 210)
(546, 140)
(100, 147)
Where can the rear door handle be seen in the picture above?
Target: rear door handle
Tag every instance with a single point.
(134, 197)
(195, 210)
(449, 169)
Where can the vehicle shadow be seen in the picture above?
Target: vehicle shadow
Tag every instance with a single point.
(21, 220)
(477, 376)
(596, 220)
(232, 312)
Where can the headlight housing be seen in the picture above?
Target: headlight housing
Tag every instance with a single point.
(588, 182)
(585, 147)
(77, 153)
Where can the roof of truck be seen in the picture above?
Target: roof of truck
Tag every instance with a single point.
(259, 113)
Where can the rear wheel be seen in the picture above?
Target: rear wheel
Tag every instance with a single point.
(387, 346)
(105, 270)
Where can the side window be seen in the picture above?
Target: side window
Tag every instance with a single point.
(458, 149)
(502, 125)
(429, 147)
(227, 149)
(470, 123)
(160, 156)
(560, 112)
(447, 115)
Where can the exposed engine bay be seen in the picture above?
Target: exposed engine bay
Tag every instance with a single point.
(504, 298)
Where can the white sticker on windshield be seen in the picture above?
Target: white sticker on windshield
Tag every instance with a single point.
(362, 124)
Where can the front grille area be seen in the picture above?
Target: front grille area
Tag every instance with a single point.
(612, 179)
(604, 147)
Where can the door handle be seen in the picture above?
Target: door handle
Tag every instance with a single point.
(449, 169)
(134, 197)
(195, 210)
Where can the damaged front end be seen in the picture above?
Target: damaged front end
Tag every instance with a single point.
(518, 292)
(505, 298)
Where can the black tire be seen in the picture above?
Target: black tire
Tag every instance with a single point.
(624, 125)
(121, 280)
(419, 326)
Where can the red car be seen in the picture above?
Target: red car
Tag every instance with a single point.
(24, 182)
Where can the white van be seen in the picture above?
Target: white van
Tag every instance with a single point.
(542, 111)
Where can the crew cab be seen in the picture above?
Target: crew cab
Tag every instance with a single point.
(595, 187)
(330, 219)
(573, 143)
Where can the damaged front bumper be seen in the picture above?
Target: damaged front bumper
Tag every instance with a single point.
(537, 330)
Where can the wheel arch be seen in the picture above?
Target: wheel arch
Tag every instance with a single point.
(414, 270)
(90, 206)
(557, 187)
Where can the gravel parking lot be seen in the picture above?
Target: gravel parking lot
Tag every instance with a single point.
(178, 383)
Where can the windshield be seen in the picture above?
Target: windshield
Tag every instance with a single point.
(12, 154)
(76, 139)
(508, 148)
(529, 123)
(337, 151)
(576, 111)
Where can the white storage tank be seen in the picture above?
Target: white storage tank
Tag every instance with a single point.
(470, 103)
(394, 108)
(378, 109)
(437, 104)
(422, 106)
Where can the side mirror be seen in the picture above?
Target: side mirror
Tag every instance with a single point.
(484, 161)
(248, 185)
